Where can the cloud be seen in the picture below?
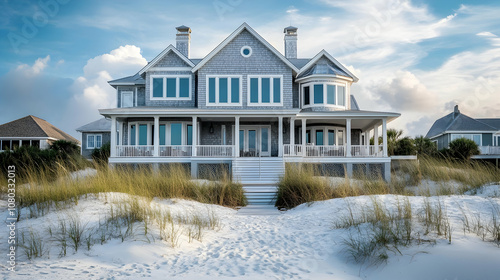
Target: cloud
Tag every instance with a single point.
(92, 91)
(66, 103)
(405, 92)
(37, 67)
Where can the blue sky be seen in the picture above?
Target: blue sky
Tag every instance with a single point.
(419, 57)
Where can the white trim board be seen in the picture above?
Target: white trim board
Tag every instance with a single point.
(170, 48)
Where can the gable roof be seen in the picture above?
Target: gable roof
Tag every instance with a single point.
(101, 125)
(233, 35)
(31, 126)
(343, 70)
(170, 48)
(457, 122)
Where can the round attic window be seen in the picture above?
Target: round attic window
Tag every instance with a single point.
(246, 51)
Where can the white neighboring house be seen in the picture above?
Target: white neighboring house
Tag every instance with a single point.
(247, 108)
(31, 131)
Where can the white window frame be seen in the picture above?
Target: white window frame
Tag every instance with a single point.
(325, 94)
(94, 136)
(168, 140)
(122, 95)
(246, 55)
(465, 135)
(229, 77)
(271, 88)
(325, 129)
(258, 135)
(177, 87)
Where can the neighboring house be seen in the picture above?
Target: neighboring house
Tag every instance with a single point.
(31, 131)
(485, 132)
(94, 135)
(247, 107)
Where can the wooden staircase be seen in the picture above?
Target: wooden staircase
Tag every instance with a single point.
(259, 177)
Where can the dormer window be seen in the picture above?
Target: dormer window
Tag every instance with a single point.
(170, 87)
(323, 94)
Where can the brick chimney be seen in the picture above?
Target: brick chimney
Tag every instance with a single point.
(183, 40)
(290, 42)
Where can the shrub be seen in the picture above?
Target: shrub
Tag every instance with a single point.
(463, 149)
(65, 148)
(405, 146)
(424, 146)
(102, 154)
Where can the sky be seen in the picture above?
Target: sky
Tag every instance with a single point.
(419, 58)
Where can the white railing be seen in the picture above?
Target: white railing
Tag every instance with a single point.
(292, 150)
(489, 150)
(134, 151)
(176, 151)
(214, 150)
(366, 151)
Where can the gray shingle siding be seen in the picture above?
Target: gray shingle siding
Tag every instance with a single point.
(171, 60)
(106, 137)
(229, 61)
(121, 89)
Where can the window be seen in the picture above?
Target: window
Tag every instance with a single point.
(176, 134)
(265, 90)
(306, 96)
(165, 87)
(331, 137)
(474, 137)
(246, 51)
(319, 137)
(94, 141)
(324, 94)
(127, 99)
(224, 91)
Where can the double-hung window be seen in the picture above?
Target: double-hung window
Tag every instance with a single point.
(224, 90)
(320, 94)
(265, 90)
(170, 87)
(94, 141)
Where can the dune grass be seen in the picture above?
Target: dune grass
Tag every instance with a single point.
(300, 184)
(42, 192)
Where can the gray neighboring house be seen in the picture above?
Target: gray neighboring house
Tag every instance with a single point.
(94, 135)
(485, 132)
(31, 131)
(247, 108)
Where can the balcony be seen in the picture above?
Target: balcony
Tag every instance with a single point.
(489, 150)
(332, 151)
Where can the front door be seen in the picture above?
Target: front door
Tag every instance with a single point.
(255, 141)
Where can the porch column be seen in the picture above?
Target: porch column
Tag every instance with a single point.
(194, 141)
(156, 139)
(280, 136)
(113, 137)
(120, 133)
(384, 136)
(292, 136)
(236, 143)
(348, 137)
(375, 139)
(303, 137)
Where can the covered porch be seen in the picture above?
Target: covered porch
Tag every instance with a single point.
(297, 135)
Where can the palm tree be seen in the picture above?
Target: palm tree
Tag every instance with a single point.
(393, 136)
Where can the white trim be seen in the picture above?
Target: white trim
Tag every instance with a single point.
(169, 69)
(271, 90)
(161, 55)
(461, 135)
(323, 77)
(325, 95)
(314, 128)
(331, 58)
(177, 87)
(136, 96)
(235, 33)
(95, 142)
(168, 140)
(128, 92)
(244, 48)
(258, 139)
(229, 99)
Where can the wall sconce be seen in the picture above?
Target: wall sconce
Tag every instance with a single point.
(211, 129)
